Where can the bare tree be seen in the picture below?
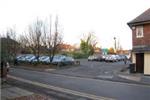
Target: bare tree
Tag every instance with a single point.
(34, 37)
(40, 35)
(52, 39)
(44, 36)
(24, 43)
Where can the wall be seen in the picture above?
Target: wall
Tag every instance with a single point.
(147, 63)
(144, 40)
(133, 58)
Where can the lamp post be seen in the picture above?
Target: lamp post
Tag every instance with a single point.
(115, 44)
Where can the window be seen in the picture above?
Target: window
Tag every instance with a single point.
(139, 31)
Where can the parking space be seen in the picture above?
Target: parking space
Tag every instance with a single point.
(94, 69)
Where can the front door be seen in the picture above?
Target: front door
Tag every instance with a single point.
(140, 62)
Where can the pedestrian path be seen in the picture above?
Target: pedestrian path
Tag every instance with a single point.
(146, 79)
(135, 77)
(11, 92)
(131, 77)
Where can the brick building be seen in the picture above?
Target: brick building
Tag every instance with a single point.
(140, 27)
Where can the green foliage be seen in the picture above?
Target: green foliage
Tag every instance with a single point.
(78, 55)
(84, 47)
(111, 51)
(87, 45)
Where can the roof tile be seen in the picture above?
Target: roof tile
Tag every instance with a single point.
(145, 16)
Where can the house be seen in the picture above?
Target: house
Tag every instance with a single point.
(140, 27)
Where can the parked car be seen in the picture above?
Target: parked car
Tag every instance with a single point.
(30, 58)
(111, 58)
(68, 61)
(98, 57)
(17, 57)
(58, 59)
(95, 58)
(63, 60)
(44, 59)
(20, 57)
(91, 58)
(118, 58)
(107, 58)
(103, 57)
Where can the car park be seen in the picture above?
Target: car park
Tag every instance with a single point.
(95, 58)
(91, 58)
(107, 58)
(103, 57)
(57, 59)
(98, 57)
(30, 58)
(44, 59)
(123, 57)
(20, 58)
(118, 57)
(115, 58)
(25, 58)
(110, 58)
(68, 61)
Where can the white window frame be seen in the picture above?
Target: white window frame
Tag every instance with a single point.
(139, 29)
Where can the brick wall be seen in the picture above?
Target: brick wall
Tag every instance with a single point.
(144, 40)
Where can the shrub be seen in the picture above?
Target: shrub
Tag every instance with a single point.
(78, 55)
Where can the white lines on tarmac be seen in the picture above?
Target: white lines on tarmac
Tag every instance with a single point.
(63, 90)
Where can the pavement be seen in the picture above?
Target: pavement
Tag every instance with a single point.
(135, 77)
(11, 92)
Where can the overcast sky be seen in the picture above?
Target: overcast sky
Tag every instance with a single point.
(106, 18)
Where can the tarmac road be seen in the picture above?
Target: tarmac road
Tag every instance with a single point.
(85, 86)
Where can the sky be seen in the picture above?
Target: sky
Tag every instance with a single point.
(105, 18)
